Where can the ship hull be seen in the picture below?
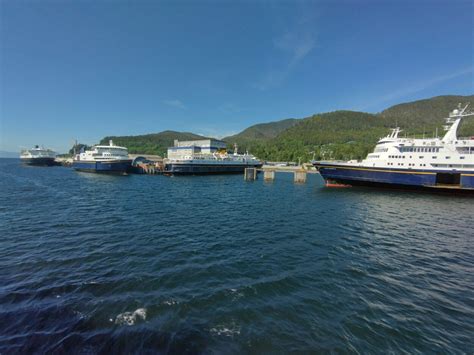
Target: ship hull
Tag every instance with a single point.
(207, 169)
(39, 161)
(451, 181)
(104, 167)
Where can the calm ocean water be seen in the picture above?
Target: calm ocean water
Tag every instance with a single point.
(92, 263)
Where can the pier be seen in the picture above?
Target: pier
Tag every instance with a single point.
(300, 172)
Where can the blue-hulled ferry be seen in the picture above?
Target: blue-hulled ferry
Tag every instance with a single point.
(103, 159)
(445, 163)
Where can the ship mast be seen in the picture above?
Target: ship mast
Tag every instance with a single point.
(453, 121)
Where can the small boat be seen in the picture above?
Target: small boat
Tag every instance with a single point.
(208, 156)
(103, 159)
(441, 164)
(38, 156)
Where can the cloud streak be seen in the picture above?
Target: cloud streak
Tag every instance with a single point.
(175, 103)
(298, 45)
(419, 86)
(292, 46)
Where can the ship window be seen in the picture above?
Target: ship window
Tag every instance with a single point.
(447, 157)
(462, 157)
(422, 156)
(434, 157)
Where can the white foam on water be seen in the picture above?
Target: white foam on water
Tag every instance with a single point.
(236, 294)
(228, 330)
(170, 302)
(80, 314)
(130, 318)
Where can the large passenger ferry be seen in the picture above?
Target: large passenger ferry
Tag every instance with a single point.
(38, 156)
(103, 159)
(208, 156)
(435, 163)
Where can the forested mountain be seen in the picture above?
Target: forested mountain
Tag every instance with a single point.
(262, 131)
(351, 135)
(155, 143)
(428, 113)
(332, 135)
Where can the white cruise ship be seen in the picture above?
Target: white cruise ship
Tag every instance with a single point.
(208, 156)
(38, 156)
(431, 163)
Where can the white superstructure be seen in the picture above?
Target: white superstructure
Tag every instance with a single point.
(446, 153)
(103, 153)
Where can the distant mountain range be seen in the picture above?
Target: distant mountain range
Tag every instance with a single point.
(332, 135)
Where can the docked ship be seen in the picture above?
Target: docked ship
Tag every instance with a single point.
(207, 156)
(103, 159)
(445, 163)
(38, 156)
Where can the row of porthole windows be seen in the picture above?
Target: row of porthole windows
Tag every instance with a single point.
(419, 149)
(420, 157)
(409, 164)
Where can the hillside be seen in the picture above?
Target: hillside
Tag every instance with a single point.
(262, 131)
(155, 143)
(337, 135)
(428, 113)
(351, 135)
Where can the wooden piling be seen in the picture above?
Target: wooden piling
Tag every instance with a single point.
(250, 174)
(300, 177)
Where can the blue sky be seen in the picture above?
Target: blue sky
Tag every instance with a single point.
(86, 69)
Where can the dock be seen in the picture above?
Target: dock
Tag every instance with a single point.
(300, 172)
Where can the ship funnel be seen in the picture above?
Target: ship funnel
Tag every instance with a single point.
(111, 143)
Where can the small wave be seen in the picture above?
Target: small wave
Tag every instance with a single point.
(170, 302)
(226, 330)
(130, 318)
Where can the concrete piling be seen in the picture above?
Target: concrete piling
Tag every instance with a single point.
(300, 177)
(269, 175)
(250, 174)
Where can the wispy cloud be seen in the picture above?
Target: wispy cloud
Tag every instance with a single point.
(292, 46)
(417, 87)
(297, 43)
(175, 103)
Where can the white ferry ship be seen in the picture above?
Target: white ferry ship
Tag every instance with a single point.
(208, 156)
(38, 156)
(434, 163)
(103, 159)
